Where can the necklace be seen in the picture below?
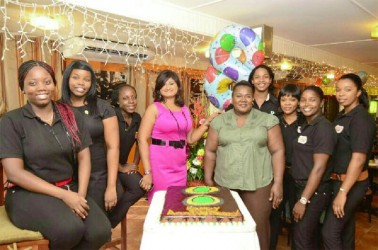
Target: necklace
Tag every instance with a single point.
(127, 125)
(178, 125)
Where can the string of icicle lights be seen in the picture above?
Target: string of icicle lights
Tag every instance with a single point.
(117, 35)
(313, 73)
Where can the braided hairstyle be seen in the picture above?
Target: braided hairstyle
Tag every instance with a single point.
(68, 117)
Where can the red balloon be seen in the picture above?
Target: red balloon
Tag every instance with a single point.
(211, 73)
(258, 58)
(221, 55)
(318, 82)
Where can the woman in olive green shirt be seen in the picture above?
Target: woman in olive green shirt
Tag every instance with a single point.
(245, 152)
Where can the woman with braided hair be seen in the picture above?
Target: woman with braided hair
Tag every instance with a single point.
(41, 144)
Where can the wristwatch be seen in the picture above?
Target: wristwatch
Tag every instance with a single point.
(303, 200)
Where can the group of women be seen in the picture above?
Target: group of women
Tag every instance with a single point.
(315, 161)
(66, 160)
(72, 154)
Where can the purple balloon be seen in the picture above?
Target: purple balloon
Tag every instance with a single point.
(247, 36)
(232, 73)
(214, 101)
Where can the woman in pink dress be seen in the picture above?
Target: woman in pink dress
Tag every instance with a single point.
(167, 122)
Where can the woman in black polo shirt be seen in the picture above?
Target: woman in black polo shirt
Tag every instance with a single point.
(355, 132)
(310, 169)
(262, 78)
(124, 98)
(290, 119)
(79, 91)
(40, 144)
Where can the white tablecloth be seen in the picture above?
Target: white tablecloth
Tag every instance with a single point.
(206, 236)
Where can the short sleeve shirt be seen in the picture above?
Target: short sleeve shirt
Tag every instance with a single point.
(93, 123)
(270, 105)
(46, 150)
(243, 158)
(355, 133)
(127, 134)
(317, 137)
(289, 134)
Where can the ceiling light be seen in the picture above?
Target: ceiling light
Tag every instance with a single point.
(374, 32)
(44, 22)
(207, 54)
(286, 65)
(331, 76)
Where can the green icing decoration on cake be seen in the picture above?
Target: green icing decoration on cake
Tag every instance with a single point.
(203, 200)
(201, 189)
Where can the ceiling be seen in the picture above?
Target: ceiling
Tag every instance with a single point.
(341, 27)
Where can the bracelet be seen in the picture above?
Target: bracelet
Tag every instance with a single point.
(303, 200)
(147, 172)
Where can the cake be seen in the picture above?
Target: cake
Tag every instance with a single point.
(200, 204)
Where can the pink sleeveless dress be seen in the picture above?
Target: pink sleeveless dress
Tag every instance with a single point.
(168, 164)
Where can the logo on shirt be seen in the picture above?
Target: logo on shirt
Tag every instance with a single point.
(302, 139)
(339, 129)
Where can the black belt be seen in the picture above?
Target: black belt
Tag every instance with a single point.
(175, 144)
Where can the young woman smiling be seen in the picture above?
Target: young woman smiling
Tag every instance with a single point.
(311, 169)
(355, 135)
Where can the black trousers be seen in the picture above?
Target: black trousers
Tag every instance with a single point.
(306, 232)
(335, 229)
(276, 214)
(132, 192)
(56, 221)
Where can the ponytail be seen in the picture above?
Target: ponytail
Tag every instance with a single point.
(364, 98)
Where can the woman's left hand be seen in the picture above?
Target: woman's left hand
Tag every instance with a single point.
(110, 198)
(276, 195)
(299, 211)
(338, 204)
(212, 116)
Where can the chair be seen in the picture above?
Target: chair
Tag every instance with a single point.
(120, 240)
(12, 237)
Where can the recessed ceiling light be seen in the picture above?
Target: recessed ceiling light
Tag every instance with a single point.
(374, 32)
(44, 22)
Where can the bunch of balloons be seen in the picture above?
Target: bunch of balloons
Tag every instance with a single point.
(227, 66)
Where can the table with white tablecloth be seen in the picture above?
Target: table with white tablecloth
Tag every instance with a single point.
(197, 235)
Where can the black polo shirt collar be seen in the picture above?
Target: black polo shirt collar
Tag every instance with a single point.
(270, 105)
(28, 111)
(356, 109)
(122, 119)
(313, 122)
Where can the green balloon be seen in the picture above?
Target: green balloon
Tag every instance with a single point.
(326, 80)
(227, 42)
(261, 46)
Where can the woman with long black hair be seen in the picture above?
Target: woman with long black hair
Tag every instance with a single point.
(355, 132)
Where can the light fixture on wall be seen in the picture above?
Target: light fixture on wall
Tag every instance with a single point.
(373, 106)
(286, 65)
(44, 22)
(374, 32)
